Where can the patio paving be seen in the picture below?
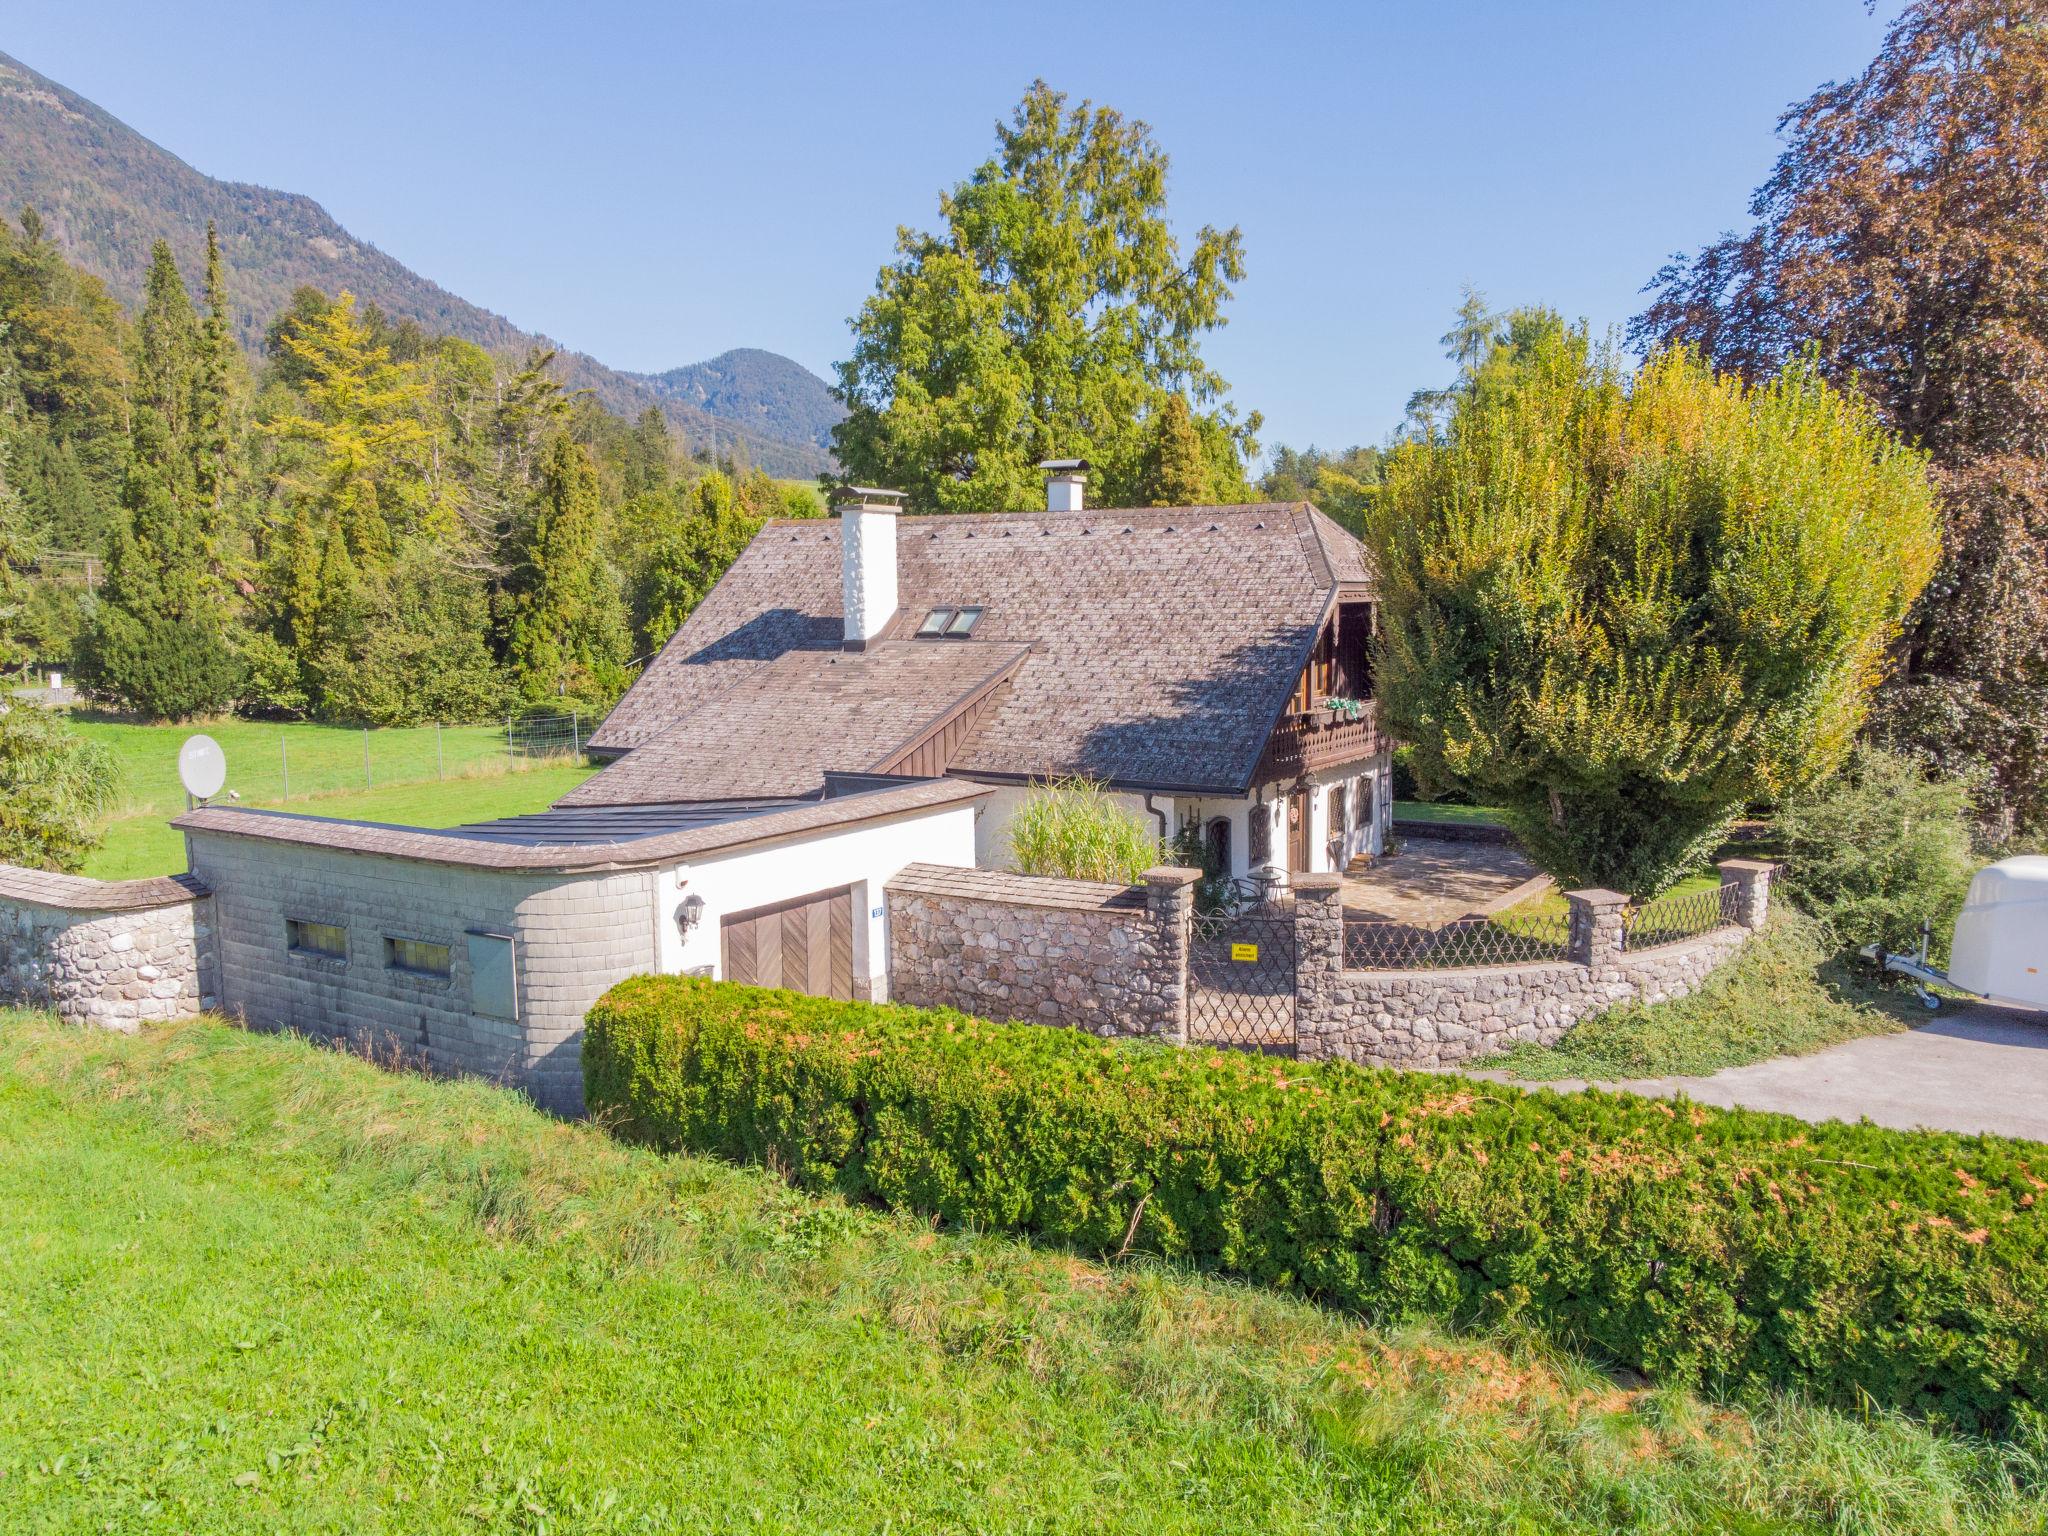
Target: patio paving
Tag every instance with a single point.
(1433, 880)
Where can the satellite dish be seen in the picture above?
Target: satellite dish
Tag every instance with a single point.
(202, 767)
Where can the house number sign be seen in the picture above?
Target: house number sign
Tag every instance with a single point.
(1244, 951)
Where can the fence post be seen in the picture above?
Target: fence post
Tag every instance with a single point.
(1595, 940)
(1170, 901)
(440, 758)
(1318, 959)
(508, 738)
(1750, 902)
(284, 751)
(367, 782)
(575, 733)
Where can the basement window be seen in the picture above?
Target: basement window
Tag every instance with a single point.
(326, 941)
(416, 957)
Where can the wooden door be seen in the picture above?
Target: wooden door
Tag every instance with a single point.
(1297, 832)
(805, 944)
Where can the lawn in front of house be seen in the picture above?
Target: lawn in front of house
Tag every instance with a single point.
(248, 1284)
(1430, 810)
(135, 846)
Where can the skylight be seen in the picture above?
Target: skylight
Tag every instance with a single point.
(949, 623)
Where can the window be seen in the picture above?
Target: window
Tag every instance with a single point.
(326, 940)
(949, 623)
(416, 956)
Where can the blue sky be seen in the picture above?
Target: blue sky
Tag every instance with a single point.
(654, 184)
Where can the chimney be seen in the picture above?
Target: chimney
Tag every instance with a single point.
(867, 561)
(1063, 481)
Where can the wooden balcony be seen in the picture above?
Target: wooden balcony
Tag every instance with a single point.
(1320, 739)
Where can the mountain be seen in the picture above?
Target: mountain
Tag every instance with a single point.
(762, 391)
(106, 193)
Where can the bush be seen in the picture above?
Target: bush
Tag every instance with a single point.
(1073, 829)
(1880, 849)
(165, 667)
(1730, 1249)
(54, 786)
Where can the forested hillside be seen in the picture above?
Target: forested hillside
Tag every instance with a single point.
(106, 194)
(761, 390)
(359, 520)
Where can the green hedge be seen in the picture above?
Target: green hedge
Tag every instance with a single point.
(1729, 1250)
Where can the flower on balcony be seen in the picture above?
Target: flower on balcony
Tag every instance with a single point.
(1348, 709)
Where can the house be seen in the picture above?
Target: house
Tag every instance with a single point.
(1210, 665)
(855, 697)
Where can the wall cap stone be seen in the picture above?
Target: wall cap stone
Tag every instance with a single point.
(1598, 897)
(1170, 875)
(1317, 882)
(79, 893)
(1746, 866)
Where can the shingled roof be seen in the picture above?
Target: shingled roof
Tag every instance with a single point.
(1162, 644)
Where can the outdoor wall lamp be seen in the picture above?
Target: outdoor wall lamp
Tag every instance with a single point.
(689, 913)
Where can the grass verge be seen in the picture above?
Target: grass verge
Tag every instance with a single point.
(247, 1284)
(148, 845)
(1788, 992)
(1429, 810)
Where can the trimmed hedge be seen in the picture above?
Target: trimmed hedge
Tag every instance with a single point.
(1723, 1249)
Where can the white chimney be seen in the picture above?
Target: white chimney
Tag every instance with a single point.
(1064, 479)
(867, 561)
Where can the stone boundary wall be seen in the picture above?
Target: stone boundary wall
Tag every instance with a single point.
(115, 953)
(1441, 1018)
(1111, 959)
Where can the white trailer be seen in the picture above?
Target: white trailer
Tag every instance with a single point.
(2000, 949)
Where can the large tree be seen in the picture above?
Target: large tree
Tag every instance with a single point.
(1903, 238)
(1623, 606)
(54, 786)
(1053, 316)
(569, 635)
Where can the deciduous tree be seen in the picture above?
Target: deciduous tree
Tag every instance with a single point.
(1623, 606)
(1052, 316)
(1903, 237)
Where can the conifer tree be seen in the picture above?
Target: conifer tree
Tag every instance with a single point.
(1177, 465)
(569, 634)
(17, 537)
(214, 427)
(167, 346)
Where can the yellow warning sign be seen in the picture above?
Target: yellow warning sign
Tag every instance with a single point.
(1244, 951)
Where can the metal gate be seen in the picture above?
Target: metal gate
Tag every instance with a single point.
(1241, 979)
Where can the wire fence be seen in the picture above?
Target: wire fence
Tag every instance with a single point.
(1508, 938)
(1670, 919)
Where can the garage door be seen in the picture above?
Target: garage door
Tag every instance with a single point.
(805, 945)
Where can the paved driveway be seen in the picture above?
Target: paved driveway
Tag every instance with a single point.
(1433, 880)
(1976, 1069)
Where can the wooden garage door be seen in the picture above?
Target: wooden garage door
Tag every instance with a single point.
(805, 945)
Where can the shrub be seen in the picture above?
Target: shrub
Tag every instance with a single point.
(54, 786)
(1879, 849)
(1073, 829)
(1730, 1249)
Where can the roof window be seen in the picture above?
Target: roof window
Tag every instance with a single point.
(949, 623)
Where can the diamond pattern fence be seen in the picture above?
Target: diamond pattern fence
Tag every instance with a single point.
(1506, 938)
(1668, 919)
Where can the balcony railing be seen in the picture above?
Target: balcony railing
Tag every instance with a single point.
(1321, 739)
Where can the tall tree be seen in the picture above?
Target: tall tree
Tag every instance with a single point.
(214, 436)
(17, 533)
(167, 346)
(1466, 344)
(1903, 237)
(1052, 317)
(1176, 472)
(569, 633)
(1624, 606)
(704, 533)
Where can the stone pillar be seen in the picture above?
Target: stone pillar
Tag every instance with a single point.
(1595, 940)
(1746, 891)
(1318, 961)
(1170, 899)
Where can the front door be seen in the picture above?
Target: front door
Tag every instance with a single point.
(1297, 833)
(805, 945)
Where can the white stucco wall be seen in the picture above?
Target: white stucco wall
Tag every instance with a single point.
(865, 857)
(992, 832)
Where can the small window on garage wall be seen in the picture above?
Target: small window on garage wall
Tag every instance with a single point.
(416, 956)
(329, 941)
(493, 980)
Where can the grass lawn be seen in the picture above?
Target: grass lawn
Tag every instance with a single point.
(248, 1284)
(1787, 993)
(148, 845)
(1428, 810)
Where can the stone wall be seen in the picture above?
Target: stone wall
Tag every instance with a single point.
(116, 953)
(1111, 959)
(1441, 1018)
(573, 935)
